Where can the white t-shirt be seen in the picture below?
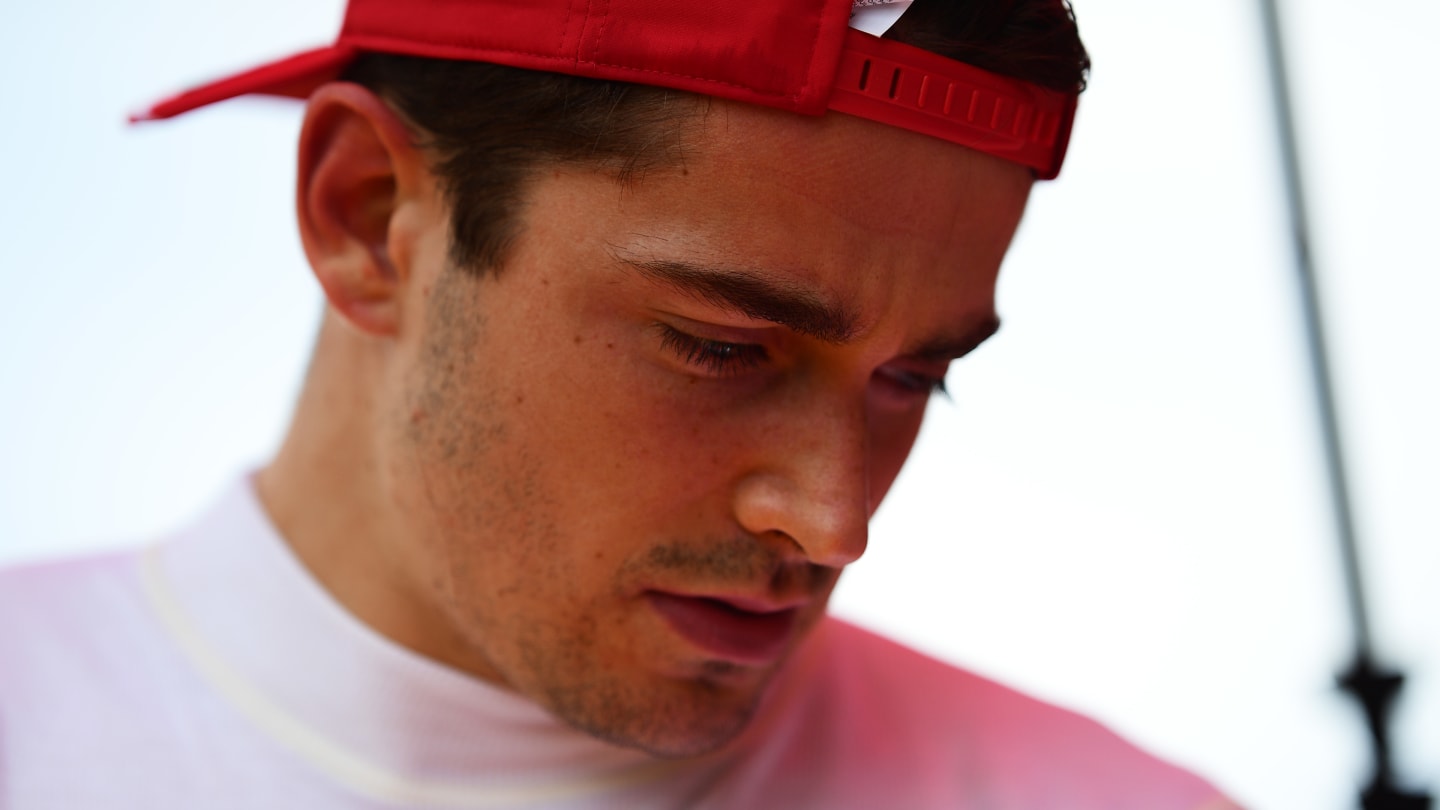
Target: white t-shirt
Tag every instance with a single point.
(211, 670)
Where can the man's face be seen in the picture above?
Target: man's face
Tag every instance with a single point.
(632, 463)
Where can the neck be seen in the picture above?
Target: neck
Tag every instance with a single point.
(325, 490)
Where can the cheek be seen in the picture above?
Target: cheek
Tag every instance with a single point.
(487, 524)
(891, 437)
(673, 443)
(621, 449)
(473, 483)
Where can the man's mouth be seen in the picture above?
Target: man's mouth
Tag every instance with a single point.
(725, 630)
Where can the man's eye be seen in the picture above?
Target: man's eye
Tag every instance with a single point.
(714, 356)
(915, 382)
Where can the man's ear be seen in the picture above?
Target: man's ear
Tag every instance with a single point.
(357, 168)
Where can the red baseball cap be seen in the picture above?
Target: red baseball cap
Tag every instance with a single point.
(797, 55)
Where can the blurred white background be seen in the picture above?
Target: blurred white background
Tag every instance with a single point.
(1123, 511)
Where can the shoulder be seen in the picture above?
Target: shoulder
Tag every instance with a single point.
(62, 620)
(925, 696)
(39, 598)
(90, 683)
(971, 740)
(81, 638)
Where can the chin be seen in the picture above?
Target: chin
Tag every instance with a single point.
(694, 737)
(687, 719)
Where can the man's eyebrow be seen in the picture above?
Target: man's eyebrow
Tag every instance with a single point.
(756, 295)
(953, 348)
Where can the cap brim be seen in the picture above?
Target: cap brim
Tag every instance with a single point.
(293, 77)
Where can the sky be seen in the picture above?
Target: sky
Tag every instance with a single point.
(1122, 511)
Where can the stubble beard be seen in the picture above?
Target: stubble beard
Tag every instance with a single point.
(690, 718)
(558, 661)
(562, 664)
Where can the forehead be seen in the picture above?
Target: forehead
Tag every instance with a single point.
(877, 177)
(859, 208)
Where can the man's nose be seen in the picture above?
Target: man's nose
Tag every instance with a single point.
(813, 485)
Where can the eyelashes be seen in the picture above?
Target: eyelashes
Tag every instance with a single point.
(715, 356)
(921, 383)
(722, 358)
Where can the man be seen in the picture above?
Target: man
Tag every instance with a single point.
(618, 359)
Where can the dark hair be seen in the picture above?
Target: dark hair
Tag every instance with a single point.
(487, 127)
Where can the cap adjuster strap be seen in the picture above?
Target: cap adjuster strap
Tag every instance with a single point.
(898, 84)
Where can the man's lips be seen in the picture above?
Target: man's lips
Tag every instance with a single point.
(726, 630)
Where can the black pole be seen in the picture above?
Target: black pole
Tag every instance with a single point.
(1373, 686)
